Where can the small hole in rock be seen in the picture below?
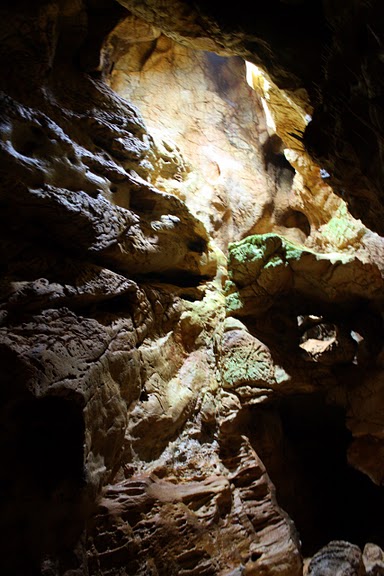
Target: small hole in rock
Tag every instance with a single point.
(296, 219)
(36, 131)
(273, 150)
(199, 245)
(28, 148)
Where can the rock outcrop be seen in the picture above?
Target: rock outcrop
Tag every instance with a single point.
(327, 57)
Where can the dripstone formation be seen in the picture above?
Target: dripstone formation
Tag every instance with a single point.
(191, 297)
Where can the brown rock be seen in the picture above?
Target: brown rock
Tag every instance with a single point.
(223, 523)
(265, 267)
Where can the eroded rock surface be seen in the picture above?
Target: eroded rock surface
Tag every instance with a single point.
(176, 524)
(212, 145)
(265, 267)
(304, 47)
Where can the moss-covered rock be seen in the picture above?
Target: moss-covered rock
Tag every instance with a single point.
(266, 267)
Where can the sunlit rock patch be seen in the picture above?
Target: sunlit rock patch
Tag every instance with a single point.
(212, 146)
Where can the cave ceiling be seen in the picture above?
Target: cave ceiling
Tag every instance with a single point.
(327, 55)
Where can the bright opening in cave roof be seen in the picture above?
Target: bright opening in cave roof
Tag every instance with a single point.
(215, 135)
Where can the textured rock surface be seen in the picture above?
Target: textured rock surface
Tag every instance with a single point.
(339, 559)
(175, 524)
(304, 47)
(373, 559)
(211, 138)
(166, 409)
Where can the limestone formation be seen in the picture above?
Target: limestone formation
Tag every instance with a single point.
(191, 297)
(156, 523)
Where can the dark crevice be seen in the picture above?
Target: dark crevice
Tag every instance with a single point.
(178, 278)
(296, 219)
(41, 479)
(273, 152)
(303, 442)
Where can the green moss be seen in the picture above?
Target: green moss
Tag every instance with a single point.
(342, 230)
(256, 247)
(263, 247)
(233, 303)
(247, 258)
(229, 287)
(274, 262)
(250, 256)
(261, 266)
(238, 372)
(294, 251)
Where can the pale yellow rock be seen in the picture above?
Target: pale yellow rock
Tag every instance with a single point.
(209, 132)
(332, 226)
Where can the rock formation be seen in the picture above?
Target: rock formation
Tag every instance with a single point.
(191, 291)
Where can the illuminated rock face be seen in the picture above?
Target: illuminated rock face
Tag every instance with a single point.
(304, 47)
(212, 146)
(168, 406)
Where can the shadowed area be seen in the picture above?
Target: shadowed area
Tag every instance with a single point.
(303, 442)
(41, 480)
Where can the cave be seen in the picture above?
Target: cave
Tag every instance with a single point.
(191, 311)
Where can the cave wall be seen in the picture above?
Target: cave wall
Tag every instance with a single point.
(156, 356)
